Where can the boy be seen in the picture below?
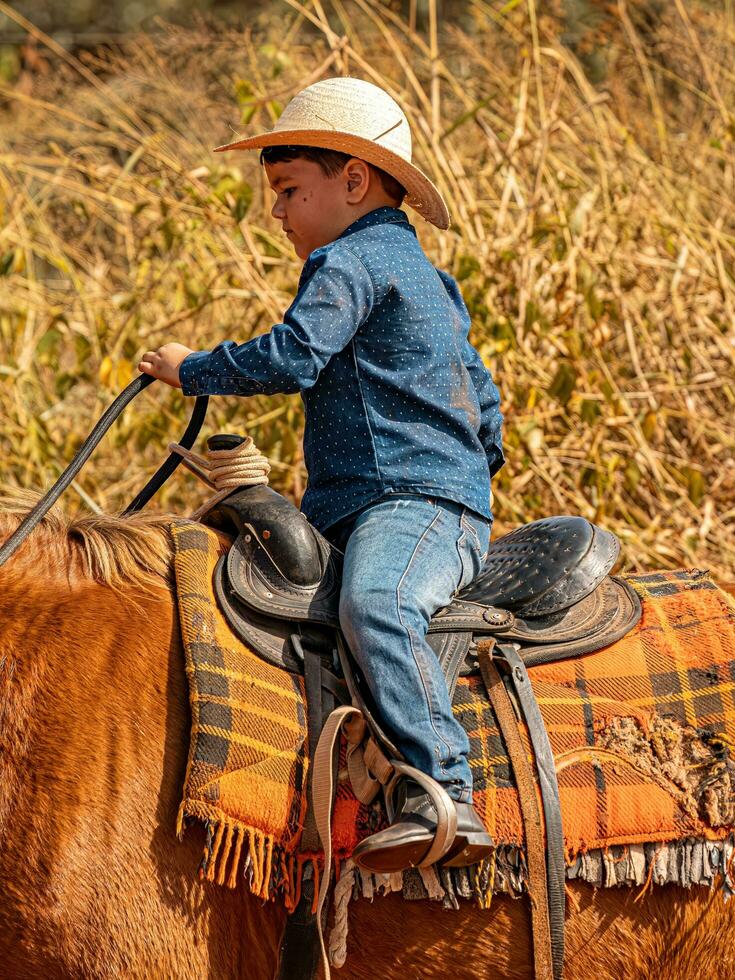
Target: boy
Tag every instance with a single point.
(402, 420)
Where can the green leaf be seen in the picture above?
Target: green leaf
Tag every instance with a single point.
(564, 383)
(469, 114)
(82, 349)
(632, 475)
(243, 200)
(10, 63)
(63, 383)
(467, 265)
(47, 346)
(244, 91)
(590, 411)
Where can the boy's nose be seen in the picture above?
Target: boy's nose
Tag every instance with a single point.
(278, 211)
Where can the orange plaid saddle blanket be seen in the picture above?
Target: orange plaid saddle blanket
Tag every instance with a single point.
(642, 734)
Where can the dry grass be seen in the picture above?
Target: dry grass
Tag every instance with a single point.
(593, 236)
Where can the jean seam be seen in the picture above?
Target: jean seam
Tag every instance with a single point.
(466, 523)
(409, 633)
(468, 527)
(471, 531)
(486, 552)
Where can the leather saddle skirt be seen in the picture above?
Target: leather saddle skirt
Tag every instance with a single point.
(545, 587)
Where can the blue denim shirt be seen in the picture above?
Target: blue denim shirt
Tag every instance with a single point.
(396, 398)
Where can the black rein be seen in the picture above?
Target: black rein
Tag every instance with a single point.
(110, 414)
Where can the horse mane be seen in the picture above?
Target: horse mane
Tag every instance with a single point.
(113, 550)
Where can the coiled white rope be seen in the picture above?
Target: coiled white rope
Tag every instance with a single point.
(340, 929)
(225, 469)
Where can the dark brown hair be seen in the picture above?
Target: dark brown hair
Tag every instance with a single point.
(331, 162)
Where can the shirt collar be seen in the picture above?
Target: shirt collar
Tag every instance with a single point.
(379, 216)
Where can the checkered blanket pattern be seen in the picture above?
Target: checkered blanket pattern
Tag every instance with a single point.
(677, 664)
(248, 759)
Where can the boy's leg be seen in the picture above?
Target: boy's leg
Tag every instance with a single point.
(404, 560)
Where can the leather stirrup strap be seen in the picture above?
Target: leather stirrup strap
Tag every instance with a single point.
(300, 945)
(546, 769)
(299, 953)
(323, 783)
(322, 789)
(531, 814)
(358, 700)
(314, 719)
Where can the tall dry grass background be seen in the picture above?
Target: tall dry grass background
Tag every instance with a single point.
(593, 237)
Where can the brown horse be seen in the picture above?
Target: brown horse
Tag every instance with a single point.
(93, 743)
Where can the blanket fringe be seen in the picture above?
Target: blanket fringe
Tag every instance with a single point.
(689, 862)
(234, 852)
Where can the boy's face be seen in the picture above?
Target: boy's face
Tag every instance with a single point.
(313, 208)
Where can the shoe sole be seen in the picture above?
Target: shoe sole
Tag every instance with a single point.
(467, 850)
(388, 860)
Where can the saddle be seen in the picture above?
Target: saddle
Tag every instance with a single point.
(544, 587)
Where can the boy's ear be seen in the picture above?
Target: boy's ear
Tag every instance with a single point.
(357, 180)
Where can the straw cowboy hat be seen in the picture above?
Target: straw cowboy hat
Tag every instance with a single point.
(355, 117)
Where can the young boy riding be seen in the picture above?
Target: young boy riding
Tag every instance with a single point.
(403, 427)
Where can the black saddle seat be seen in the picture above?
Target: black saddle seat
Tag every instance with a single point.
(544, 586)
(545, 566)
(283, 567)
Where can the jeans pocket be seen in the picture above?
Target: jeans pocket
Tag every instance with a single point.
(479, 531)
(472, 546)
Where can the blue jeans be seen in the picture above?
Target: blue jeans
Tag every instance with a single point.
(405, 557)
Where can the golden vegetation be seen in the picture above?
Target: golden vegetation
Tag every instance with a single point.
(593, 236)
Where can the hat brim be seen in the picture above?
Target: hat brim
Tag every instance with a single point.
(421, 194)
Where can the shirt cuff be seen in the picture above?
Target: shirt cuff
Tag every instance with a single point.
(495, 459)
(191, 372)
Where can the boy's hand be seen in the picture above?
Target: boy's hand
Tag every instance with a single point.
(164, 363)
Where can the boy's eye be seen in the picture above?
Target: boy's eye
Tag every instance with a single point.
(288, 191)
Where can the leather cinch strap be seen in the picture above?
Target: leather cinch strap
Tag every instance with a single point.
(545, 866)
(546, 768)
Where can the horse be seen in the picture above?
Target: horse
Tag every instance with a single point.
(94, 885)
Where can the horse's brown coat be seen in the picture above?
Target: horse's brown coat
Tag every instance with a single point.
(93, 883)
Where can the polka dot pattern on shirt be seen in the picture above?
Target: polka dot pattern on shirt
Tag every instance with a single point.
(396, 398)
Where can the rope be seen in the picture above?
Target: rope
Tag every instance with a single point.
(342, 896)
(323, 787)
(225, 470)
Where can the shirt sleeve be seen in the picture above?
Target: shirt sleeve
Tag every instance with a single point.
(335, 297)
(491, 418)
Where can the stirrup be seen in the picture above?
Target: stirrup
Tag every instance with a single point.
(446, 813)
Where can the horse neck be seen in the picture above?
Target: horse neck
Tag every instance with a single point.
(82, 668)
